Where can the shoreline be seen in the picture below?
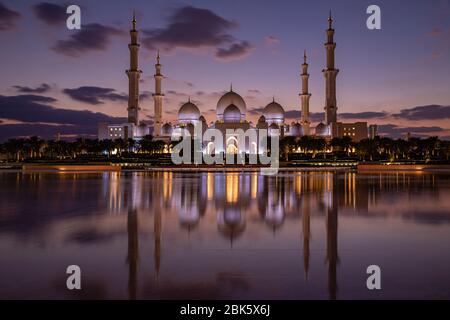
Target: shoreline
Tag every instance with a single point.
(107, 167)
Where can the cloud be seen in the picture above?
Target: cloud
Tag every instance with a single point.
(8, 18)
(235, 51)
(95, 95)
(190, 27)
(396, 131)
(271, 40)
(43, 88)
(50, 13)
(195, 28)
(428, 112)
(363, 115)
(39, 109)
(254, 91)
(92, 37)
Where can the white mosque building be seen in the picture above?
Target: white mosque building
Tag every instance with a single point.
(231, 110)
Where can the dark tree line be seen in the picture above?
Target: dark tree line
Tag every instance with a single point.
(378, 149)
(36, 148)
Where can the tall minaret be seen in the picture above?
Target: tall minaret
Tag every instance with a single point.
(330, 74)
(158, 99)
(134, 74)
(304, 96)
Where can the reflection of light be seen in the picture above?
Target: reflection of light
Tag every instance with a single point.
(254, 186)
(298, 184)
(210, 185)
(115, 198)
(167, 185)
(232, 187)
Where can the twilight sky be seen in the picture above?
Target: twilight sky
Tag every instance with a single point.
(59, 80)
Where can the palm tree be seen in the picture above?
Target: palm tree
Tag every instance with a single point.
(367, 147)
(14, 148)
(287, 145)
(318, 145)
(146, 144)
(131, 145)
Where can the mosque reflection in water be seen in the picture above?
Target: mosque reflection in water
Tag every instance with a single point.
(274, 236)
(233, 196)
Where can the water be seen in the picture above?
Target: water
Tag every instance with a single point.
(224, 235)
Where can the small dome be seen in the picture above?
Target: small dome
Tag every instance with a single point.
(322, 129)
(230, 98)
(232, 114)
(296, 129)
(274, 112)
(188, 112)
(167, 129)
(273, 126)
(262, 119)
(202, 119)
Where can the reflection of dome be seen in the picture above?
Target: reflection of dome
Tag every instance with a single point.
(274, 112)
(232, 114)
(273, 126)
(188, 112)
(189, 218)
(322, 129)
(228, 99)
(166, 129)
(231, 222)
(275, 217)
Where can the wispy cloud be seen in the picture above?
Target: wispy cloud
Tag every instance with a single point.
(50, 13)
(8, 18)
(92, 37)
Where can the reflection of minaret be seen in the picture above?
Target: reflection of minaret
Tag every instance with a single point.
(330, 74)
(157, 235)
(306, 233)
(133, 252)
(305, 96)
(332, 241)
(158, 99)
(134, 75)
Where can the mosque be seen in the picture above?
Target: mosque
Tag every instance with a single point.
(231, 110)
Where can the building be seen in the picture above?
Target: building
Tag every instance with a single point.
(332, 128)
(373, 131)
(134, 128)
(231, 110)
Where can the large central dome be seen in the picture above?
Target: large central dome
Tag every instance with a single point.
(231, 114)
(230, 98)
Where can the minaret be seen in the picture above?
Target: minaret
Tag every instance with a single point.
(158, 99)
(134, 74)
(305, 96)
(330, 74)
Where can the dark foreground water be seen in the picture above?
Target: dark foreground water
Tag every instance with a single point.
(224, 236)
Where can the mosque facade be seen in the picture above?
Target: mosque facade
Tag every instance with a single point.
(231, 110)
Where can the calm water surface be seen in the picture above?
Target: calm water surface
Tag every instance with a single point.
(224, 235)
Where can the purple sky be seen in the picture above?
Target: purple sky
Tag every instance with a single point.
(59, 80)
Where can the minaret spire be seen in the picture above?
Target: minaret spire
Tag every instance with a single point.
(330, 74)
(134, 75)
(330, 21)
(158, 98)
(304, 98)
